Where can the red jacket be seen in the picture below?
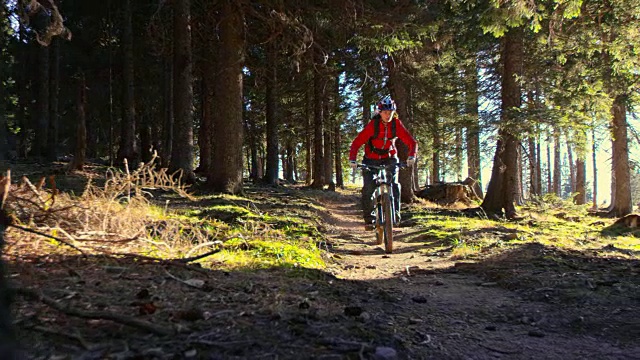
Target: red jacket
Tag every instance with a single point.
(379, 142)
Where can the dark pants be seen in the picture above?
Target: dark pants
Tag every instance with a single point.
(369, 187)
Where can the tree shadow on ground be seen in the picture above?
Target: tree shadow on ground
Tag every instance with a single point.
(268, 313)
(595, 292)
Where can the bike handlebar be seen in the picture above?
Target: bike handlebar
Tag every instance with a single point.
(400, 165)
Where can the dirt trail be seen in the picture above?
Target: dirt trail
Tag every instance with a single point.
(441, 312)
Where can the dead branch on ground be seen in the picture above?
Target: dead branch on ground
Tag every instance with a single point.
(94, 315)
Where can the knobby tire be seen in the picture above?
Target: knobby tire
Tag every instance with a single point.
(387, 223)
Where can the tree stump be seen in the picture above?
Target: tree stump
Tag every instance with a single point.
(449, 193)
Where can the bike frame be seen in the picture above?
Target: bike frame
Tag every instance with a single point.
(381, 196)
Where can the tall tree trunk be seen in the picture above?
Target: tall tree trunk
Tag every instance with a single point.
(533, 154)
(204, 32)
(473, 127)
(227, 148)
(318, 156)
(168, 118)
(621, 205)
(128, 146)
(4, 144)
(79, 156)
(538, 165)
(502, 189)
(146, 141)
(308, 145)
(533, 175)
(458, 154)
(572, 168)
(42, 130)
(557, 164)
(22, 77)
(208, 68)
(290, 156)
(206, 119)
(273, 166)
(613, 181)
(112, 125)
(580, 197)
(182, 149)
(400, 94)
(549, 176)
(252, 155)
(338, 158)
(337, 139)
(367, 98)
(437, 145)
(328, 155)
(327, 135)
(594, 163)
(54, 86)
(519, 178)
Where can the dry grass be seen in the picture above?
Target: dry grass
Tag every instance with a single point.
(112, 219)
(118, 219)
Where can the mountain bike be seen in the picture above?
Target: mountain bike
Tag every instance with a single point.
(383, 200)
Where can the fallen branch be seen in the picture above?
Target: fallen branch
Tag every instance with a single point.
(50, 237)
(76, 337)
(195, 258)
(94, 315)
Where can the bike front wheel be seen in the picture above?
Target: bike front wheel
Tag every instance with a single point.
(379, 223)
(387, 223)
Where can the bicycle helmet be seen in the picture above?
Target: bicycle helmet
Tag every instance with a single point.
(386, 103)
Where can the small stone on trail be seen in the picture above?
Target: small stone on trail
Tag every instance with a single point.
(364, 317)
(419, 299)
(304, 305)
(439, 283)
(536, 333)
(371, 267)
(353, 310)
(190, 353)
(143, 294)
(385, 353)
(488, 284)
(409, 269)
(349, 267)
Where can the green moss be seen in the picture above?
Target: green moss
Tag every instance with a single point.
(557, 223)
(292, 227)
(264, 254)
(228, 213)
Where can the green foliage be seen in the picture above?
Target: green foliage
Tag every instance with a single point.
(255, 254)
(554, 222)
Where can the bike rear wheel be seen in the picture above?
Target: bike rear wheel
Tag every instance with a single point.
(387, 223)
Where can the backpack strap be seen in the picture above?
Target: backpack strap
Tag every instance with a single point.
(376, 125)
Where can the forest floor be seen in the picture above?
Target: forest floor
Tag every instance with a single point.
(440, 295)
